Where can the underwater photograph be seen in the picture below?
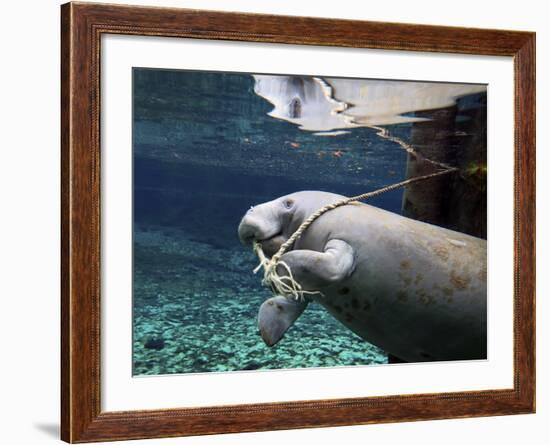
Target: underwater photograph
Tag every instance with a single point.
(291, 221)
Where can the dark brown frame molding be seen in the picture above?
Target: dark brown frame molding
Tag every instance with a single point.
(82, 25)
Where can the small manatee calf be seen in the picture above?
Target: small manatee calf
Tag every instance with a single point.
(413, 289)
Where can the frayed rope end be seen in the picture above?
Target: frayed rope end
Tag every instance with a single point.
(284, 285)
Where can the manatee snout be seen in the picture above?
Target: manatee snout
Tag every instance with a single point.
(263, 224)
(255, 228)
(248, 230)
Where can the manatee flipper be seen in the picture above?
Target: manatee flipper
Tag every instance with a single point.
(314, 270)
(276, 315)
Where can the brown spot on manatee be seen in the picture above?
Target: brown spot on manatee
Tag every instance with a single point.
(349, 317)
(448, 291)
(402, 295)
(441, 251)
(459, 282)
(344, 291)
(405, 264)
(418, 279)
(424, 298)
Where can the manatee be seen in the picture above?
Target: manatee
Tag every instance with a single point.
(416, 290)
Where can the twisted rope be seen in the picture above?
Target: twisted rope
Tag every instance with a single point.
(286, 285)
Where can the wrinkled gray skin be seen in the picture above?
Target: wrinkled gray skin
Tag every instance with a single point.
(415, 290)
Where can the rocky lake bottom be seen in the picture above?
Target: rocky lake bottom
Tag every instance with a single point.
(195, 307)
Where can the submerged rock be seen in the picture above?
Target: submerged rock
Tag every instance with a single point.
(156, 343)
(253, 365)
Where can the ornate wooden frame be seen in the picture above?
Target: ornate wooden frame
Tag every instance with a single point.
(81, 28)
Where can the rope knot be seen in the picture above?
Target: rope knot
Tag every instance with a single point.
(284, 285)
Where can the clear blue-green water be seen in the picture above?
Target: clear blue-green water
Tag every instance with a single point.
(205, 150)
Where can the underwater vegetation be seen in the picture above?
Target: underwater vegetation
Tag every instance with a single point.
(208, 145)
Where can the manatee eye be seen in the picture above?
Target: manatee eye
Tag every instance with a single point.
(288, 203)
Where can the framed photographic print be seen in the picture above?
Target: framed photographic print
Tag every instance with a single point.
(275, 222)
